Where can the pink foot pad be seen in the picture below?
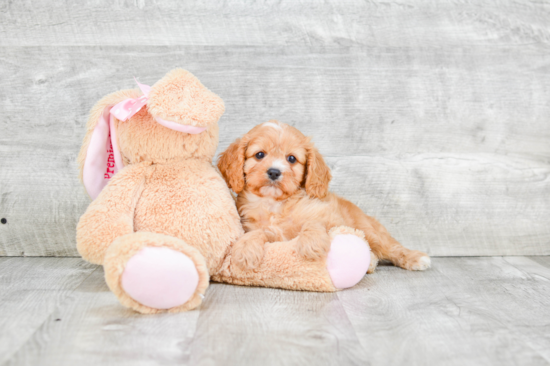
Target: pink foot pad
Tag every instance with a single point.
(348, 260)
(160, 278)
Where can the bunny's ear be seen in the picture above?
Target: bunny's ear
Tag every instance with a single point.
(99, 157)
(103, 158)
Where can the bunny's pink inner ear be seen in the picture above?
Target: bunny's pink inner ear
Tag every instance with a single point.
(103, 158)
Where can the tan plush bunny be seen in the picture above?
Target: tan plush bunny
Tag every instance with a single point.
(162, 221)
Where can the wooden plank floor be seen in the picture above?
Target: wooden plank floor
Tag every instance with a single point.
(463, 311)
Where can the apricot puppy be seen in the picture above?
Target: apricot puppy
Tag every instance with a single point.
(282, 185)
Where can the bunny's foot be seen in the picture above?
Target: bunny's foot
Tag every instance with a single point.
(349, 257)
(151, 273)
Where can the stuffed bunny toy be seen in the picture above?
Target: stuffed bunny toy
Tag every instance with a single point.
(162, 221)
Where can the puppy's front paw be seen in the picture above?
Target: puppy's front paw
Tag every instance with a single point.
(248, 253)
(313, 247)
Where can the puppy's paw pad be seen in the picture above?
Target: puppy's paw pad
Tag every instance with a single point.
(422, 264)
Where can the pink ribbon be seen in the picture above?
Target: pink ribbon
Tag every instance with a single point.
(129, 107)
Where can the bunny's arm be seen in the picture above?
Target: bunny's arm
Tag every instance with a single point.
(111, 214)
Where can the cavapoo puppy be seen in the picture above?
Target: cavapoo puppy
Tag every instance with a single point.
(282, 185)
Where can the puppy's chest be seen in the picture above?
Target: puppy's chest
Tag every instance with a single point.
(269, 213)
(266, 214)
(282, 220)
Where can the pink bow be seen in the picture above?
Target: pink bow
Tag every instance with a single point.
(129, 107)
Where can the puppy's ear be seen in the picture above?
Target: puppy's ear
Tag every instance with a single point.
(317, 173)
(231, 165)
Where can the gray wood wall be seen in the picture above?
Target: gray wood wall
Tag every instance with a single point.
(434, 115)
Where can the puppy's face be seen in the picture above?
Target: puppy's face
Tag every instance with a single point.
(274, 160)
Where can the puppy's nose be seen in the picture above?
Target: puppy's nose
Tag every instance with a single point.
(273, 173)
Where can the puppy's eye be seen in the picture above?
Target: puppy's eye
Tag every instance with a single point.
(260, 155)
(291, 159)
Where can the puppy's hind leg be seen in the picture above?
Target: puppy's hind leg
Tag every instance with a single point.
(413, 260)
(384, 246)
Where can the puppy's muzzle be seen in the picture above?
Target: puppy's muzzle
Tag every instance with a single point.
(273, 174)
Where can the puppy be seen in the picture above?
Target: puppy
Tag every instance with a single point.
(282, 185)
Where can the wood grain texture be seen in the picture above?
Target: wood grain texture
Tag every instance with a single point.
(542, 260)
(448, 205)
(463, 311)
(481, 311)
(433, 117)
(31, 289)
(406, 23)
(259, 326)
(92, 328)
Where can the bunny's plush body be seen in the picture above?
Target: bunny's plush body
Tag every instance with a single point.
(162, 221)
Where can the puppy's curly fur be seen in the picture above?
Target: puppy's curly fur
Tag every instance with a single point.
(282, 185)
